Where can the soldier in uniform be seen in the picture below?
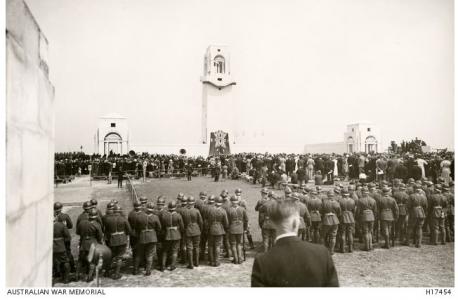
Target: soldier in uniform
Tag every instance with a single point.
(304, 198)
(132, 218)
(388, 211)
(259, 204)
(402, 198)
(182, 201)
(366, 209)
(314, 207)
(201, 201)
(374, 194)
(189, 170)
(87, 206)
(304, 215)
(450, 214)
(268, 228)
(147, 226)
(90, 232)
(61, 236)
(117, 228)
(172, 223)
(193, 224)
(417, 206)
(143, 202)
(437, 212)
(347, 221)
(331, 212)
(94, 204)
(206, 226)
(158, 210)
(225, 205)
(217, 221)
(243, 204)
(180, 198)
(358, 228)
(67, 221)
(238, 223)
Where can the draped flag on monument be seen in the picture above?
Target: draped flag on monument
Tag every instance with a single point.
(219, 143)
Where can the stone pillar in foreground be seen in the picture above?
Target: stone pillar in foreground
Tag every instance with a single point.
(29, 151)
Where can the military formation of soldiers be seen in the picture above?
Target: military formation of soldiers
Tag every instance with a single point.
(381, 208)
(160, 234)
(373, 213)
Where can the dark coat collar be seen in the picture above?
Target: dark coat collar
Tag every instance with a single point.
(287, 240)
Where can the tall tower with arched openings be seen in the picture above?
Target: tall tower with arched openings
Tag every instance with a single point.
(218, 119)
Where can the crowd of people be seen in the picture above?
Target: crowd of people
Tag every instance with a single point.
(189, 230)
(265, 168)
(378, 199)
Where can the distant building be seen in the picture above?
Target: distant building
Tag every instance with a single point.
(359, 137)
(112, 135)
(362, 137)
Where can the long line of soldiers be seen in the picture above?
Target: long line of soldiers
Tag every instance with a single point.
(183, 229)
(396, 211)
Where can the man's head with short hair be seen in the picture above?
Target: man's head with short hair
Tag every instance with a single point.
(285, 216)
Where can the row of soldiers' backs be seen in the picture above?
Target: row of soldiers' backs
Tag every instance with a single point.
(412, 204)
(166, 226)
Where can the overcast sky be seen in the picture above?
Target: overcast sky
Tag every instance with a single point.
(304, 69)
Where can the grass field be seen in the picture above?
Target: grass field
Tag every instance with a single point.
(429, 266)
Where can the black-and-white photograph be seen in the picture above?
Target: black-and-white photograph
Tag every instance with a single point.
(243, 143)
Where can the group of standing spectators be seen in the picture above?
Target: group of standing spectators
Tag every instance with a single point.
(266, 168)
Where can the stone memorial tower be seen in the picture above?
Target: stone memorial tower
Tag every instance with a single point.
(218, 120)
